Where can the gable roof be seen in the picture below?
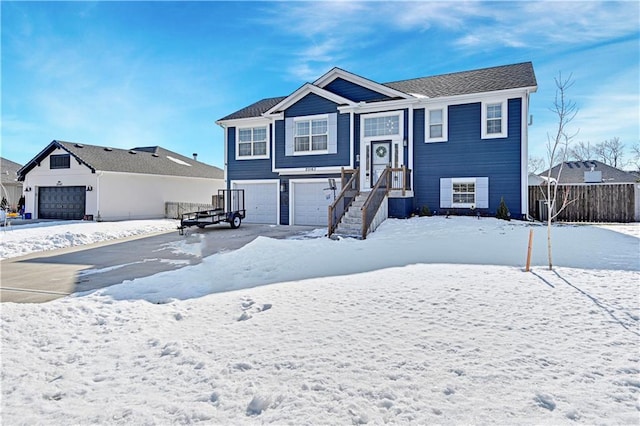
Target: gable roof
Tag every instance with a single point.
(337, 73)
(153, 160)
(483, 80)
(9, 171)
(573, 172)
(467, 82)
(304, 91)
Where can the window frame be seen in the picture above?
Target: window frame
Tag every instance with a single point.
(310, 119)
(504, 118)
(444, 123)
(464, 181)
(66, 164)
(252, 142)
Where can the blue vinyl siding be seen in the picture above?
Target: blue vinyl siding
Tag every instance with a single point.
(312, 105)
(353, 92)
(246, 169)
(465, 154)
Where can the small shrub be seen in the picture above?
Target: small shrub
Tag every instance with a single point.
(425, 211)
(503, 211)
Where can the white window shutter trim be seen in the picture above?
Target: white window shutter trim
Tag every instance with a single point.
(482, 192)
(332, 138)
(288, 136)
(445, 192)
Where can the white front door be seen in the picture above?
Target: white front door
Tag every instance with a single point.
(380, 159)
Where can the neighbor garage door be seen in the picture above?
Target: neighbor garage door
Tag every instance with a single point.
(61, 202)
(311, 201)
(261, 201)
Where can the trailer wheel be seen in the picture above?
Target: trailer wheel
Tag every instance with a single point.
(236, 221)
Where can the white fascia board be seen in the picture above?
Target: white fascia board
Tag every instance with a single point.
(308, 170)
(244, 122)
(304, 91)
(380, 106)
(520, 92)
(360, 81)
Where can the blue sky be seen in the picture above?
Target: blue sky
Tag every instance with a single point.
(127, 74)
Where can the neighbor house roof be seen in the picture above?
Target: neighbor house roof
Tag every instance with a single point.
(454, 84)
(9, 171)
(574, 172)
(153, 160)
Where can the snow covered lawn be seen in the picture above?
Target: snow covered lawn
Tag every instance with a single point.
(429, 320)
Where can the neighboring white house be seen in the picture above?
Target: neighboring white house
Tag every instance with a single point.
(70, 180)
(11, 188)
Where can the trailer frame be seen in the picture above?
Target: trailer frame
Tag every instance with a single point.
(228, 206)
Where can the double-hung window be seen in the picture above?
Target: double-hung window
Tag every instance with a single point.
(436, 124)
(311, 136)
(463, 193)
(252, 143)
(494, 119)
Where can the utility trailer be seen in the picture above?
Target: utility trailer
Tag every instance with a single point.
(228, 206)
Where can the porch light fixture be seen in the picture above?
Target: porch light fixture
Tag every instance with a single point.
(89, 188)
(283, 187)
(404, 142)
(59, 183)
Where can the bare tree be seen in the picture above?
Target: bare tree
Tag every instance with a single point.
(610, 152)
(557, 152)
(635, 151)
(582, 151)
(536, 164)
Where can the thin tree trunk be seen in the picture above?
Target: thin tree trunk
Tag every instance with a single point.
(549, 242)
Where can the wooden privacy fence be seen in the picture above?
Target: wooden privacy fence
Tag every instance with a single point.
(588, 203)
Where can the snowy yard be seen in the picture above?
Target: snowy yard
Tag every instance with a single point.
(429, 320)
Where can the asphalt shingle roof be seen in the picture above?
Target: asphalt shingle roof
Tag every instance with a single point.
(255, 109)
(467, 82)
(459, 83)
(9, 171)
(153, 160)
(573, 172)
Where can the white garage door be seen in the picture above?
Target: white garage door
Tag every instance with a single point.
(261, 201)
(311, 202)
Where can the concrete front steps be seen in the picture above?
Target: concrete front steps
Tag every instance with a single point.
(351, 224)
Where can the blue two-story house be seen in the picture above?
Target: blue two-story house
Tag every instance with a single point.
(455, 143)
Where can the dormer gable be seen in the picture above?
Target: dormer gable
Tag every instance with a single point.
(303, 91)
(337, 74)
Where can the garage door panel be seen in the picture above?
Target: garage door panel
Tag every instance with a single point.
(261, 202)
(61, 202)
(311, 201)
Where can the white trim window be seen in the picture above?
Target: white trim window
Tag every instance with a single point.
(436, 124)
(311, 136)
(252, 143)
(463, 193)
(494, 119)
(468, 192)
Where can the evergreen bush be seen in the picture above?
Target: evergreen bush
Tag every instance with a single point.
(503, 211)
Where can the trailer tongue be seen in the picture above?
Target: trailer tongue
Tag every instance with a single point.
(228, 206)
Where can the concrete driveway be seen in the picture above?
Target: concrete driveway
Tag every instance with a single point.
(45, 276)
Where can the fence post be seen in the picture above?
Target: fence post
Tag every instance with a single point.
(529, 250)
